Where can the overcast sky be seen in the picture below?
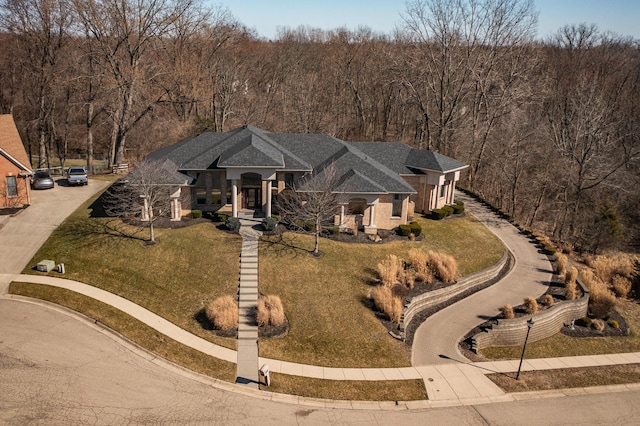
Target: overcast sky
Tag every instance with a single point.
(265, 16)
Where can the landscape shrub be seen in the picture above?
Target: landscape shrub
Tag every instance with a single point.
(333, 230)
(404, 230)
(448, 210)
(223, 312)
(309, 226)
(548, 300)
(233, 224)
(389, 270)
(458, 207)
(221, 217)
(597, 324)
(197, 214)
(270, 311)
(584, 322)
(438, 214)
(418, 260)
(269, 224)
(621, 286)
(560, 265)
(415, 228)
(386, 302)
(506, 312)
(443, 266)
(607, 267)
(614, 324)
(530, 305)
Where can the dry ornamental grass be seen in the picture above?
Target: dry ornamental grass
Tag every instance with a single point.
(386, 302)
(223, 313)
(530, 305)
(270, 311)
(507, 312)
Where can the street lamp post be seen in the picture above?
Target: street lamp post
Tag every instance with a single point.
(524, 348)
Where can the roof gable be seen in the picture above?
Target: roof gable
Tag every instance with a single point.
(251, 151)
(11, 145)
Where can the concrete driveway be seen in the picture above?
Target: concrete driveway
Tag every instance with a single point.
(21, 236)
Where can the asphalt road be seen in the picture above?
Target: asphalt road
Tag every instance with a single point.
(57, 369)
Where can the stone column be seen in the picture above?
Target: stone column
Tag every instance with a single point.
(342, 214)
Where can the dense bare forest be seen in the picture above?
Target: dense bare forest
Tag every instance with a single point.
(550, 128)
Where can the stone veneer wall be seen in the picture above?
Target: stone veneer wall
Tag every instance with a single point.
(512, 332)
(442, 295)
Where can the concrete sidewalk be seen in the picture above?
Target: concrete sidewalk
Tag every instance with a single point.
(452, 383)
(436, 339)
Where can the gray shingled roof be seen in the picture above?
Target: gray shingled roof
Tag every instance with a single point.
(362, 167)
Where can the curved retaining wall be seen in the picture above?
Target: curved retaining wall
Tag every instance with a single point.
(442, 295)
(512, 332)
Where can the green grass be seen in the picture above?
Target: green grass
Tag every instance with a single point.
(560, 345)
(325, 298)
(130, 328)
(175, 278)
(354, 390)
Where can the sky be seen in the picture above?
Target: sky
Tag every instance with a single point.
(265, 16)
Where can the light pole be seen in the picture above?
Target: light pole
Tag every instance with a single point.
(524, 348)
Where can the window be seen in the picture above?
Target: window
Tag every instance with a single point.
(288, 180)
(12, 186)
(396, 211)
(443, 190)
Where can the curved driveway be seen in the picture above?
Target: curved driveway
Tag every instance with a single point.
(437, 338)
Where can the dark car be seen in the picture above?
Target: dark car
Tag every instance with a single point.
(41, 179)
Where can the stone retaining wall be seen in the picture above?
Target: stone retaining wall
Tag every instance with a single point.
(512, 332)
(442, 295)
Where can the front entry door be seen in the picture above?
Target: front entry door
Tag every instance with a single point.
(252, 198)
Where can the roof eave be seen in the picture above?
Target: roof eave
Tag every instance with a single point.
(15, 161)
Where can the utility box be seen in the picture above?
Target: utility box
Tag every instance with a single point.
(264, 372)
(45, 265)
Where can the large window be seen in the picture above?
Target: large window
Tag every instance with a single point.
(396, 211)
(12, 186)
(443, 190)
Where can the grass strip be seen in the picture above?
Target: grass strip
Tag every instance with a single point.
(568, 378)
(131, 328)
(352, 390)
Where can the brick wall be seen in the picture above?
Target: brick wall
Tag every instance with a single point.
(7, 168)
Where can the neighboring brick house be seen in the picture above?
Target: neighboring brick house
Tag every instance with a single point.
(385, 183)
(14, 166)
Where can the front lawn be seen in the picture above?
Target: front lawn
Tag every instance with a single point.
(175, 278)
(325, 298)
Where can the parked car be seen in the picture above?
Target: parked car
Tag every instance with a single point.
(41, 179)
(77, 176)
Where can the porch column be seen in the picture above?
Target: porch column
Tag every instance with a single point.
(234, 197)
(372, 210)
(268, 212)
(341, 214)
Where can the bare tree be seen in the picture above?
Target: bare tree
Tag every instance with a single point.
(312, 203)
(146, 193)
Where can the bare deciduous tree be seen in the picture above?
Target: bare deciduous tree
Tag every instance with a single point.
(145, 194)
(313, 203)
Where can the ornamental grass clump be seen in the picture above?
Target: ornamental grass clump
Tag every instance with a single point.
(561, 264)
(601, 299)
(443, 266)
(390, 269)
(548, 300)
(223, 313)
(530, 305)
(270, 311)
(622, 286)
(386, 302)
(418, 260)
(506, 312)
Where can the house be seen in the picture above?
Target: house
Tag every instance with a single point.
(15, 168)
(383, 183)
